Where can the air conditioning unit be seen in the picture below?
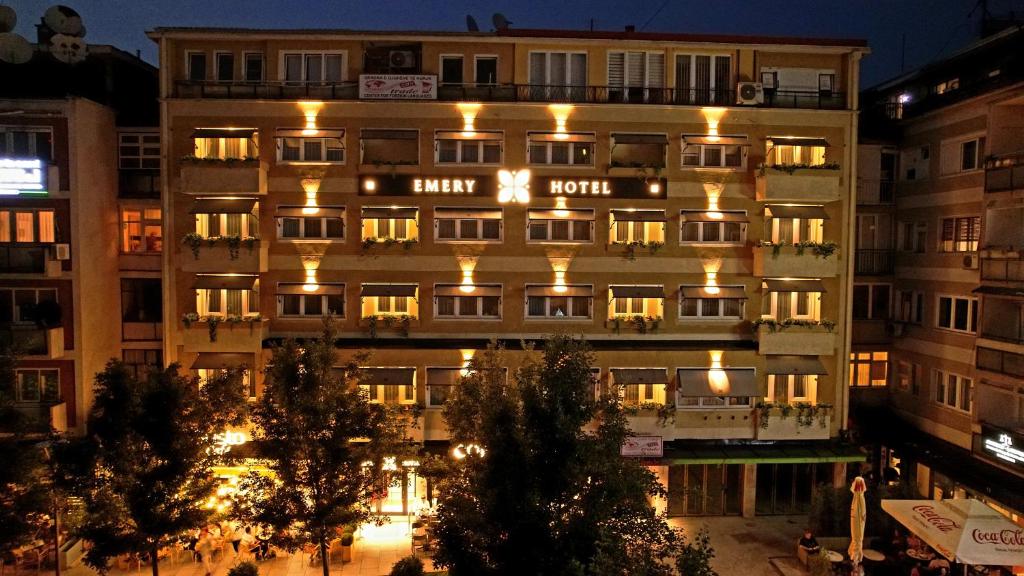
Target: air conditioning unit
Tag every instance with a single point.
(970, 261)
(749, 93)
(62, 251)
(402, 59)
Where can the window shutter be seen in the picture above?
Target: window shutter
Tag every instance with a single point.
(683, 72)
(616, 69)
(538, 68)
(655, 70)
(948, 227)
(635, 66)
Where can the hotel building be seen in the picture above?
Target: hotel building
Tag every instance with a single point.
(938, 295)
(684, 202)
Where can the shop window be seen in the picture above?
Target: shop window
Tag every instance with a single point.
(141, 229)
(389, 147)
(37, 385)
(869, 369)
(957, 313)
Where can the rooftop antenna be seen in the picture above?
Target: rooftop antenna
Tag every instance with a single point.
(471, 24)
(500, 22)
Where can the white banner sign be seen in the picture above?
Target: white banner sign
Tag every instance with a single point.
(22, 176)
(643, 447)
(398, 87)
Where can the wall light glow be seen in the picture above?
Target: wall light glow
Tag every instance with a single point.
(310, 110)
(310, 264)
(370, 185)
(469, 110)
(561, 113)
(467, 356)
(713, 116)
(310, 186)
(717, 377)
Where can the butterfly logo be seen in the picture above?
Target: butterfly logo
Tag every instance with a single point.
(514, 186)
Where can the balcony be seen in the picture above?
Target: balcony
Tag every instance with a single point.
(278, 90)
(226, 255)
(433, 426)
(34, 341)
(791, 261)
(1005, 174)
(142, 331)
(999, 361)
(138, 184)
(802, 423)
(244, 336)
(223, 176)
(800, 185)
(874, 262)
(647, 422)
(1002, 265)
(712, 424)
(815, 340)
(29, 259)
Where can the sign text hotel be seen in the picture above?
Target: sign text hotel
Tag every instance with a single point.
(487, 186)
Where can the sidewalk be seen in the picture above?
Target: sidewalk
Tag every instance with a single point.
(743, 546)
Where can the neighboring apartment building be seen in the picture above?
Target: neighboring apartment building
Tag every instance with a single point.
(676, 199)
(80, 230)
(938, 297)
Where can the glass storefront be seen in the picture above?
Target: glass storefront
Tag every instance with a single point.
(787, 488)
(705, 489)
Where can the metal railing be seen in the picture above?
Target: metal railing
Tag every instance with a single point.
(874, 261)
(1004, 173)
(29, 340)
(514, 93)
(1002, 269)
(1000, 361)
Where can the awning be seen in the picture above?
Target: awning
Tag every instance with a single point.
(791, 211)
(538, 214)
(552, 290)
(780, 285)
(695, 139)
(963, 530)
(794, 365)
(224, 133)
(797, 141)
(637, 291)
(626, 376)
(775, 453)
(640, 138)
(474, 135)
(443, 376)
(721, 292)
(712, 216)
(1000, 291)
(301, 212)
(638, 215)
(479, 213)
(730, 382)
(384, 212)
(221, 360)
(308, 133)
(562, 137)
(388, 290)
(374, 134)
(225, 282)
(222, 206)
(320, 289)
(478, 290)
(387, 376)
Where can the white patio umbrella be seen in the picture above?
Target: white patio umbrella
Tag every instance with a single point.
(962, 530)
(858, 518)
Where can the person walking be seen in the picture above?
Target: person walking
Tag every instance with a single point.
(204, 547)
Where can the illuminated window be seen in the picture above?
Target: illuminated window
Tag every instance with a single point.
(327, 224)
(564, 149)
(952, 390)
(793, 230)
(388, 385)
(213, 144)
(398, 224)
(19, 305)
(637, 226)
(946, 86)
(632, 301)
(248, 382)
(483, 302)
(141, 230)
(800, 155)
(784, 305)
(560, 226)
(26, 142)
(467, 224)
(960, 234)
(957, 313)
(224, 302)
(27, 226)
(38, 385)
(227, 225)
(869, 369)
(713, 156)
(389, 300)
(719, 303)
(792, 388)
(327, 300)
(298, 149)
(139, 151)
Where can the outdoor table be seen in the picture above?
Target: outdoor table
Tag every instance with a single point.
(834, 556)
(922, 556)
(873, 555)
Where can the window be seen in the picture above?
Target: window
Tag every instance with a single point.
(314, 68)
(451, 69)
(632, 301)
(704, 79)
(953, 390)
(785, 304)
(398, 224)
(553, 226)
(141, 230)
(225, 62)
(720, 303)
(440, 382)
(909, 306)
(296, 149)
(645, 226)
(559, 302)
(389, 393)
(715, 401)
(211, 144)
(226, 302)
(483, 301)
(871, 301)
(140, 362)
(141, 300)
(248, 384)
(913, 237)
(293, 300)
(18, 305)
(946, 86)
(908, 375)
(38, 385)
(558, 76)
(960, 234)
(389, 300)
(792, 388)
(726, 227)
(916, 163)
(139, 151)
(969, 155)
(476, 151)
(638, 150)
(386, 147)
(869, 369)
(253, 67)
(467, 225)
(486, 72)
(636, 76)
(327, 224)
(573, 149)
(225, 225)
(781, 154)
(713, 155)
(27, 226)
(196, 66)
(961, 155)
(25, 142)
(957, 313)
(792, 230)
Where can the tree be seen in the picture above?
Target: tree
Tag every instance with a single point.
(144, 469)
(324, 442)
(549, 493)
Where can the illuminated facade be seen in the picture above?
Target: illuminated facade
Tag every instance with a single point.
(684, 202)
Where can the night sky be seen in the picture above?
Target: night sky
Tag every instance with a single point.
(932, 27)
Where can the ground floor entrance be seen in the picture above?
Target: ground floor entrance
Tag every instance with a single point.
(787, 488)
(705, 489)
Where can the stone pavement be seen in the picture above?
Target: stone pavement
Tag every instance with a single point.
(744, 546)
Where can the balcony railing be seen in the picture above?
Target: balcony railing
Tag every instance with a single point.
(29, 339)
(1000, 361)
(1002, 269)
(874, 262)
(1004, 173)
(513, 93)
(23, 259)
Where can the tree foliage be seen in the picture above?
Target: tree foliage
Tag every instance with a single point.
(315, 431)
(550, 493)
(143, 470)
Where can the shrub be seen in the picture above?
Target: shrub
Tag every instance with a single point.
(819, 564)
(347, 539)
(408, 566)
(244, 569)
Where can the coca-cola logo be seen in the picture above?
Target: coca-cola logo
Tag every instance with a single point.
(940, 522)
(1008, 537)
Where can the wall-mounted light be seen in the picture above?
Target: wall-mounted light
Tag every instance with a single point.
(310, 186)
(654, 186)
(369, 185)
(561, 114)
(310, 264)
(711, 268)
(469, 110)
(713, 116)
(309, 111)
(467, 286)
(718, 379)
(561, 207)
(560, 286)
(514, 186)
(467, 356)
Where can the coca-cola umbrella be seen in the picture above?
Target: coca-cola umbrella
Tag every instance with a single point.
(962, 530)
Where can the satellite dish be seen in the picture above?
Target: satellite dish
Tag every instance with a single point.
(67, 49)
(471, 24)
(8, 18)
(14, 49)
(63, 20)
(500, 22)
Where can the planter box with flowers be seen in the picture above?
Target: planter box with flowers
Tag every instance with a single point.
(222, 334)
(802, 259)
(397, 323)
(796, 421)
(220, 254)
(216, 176)
(798, 182)
(651, 418)
(792, 336)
